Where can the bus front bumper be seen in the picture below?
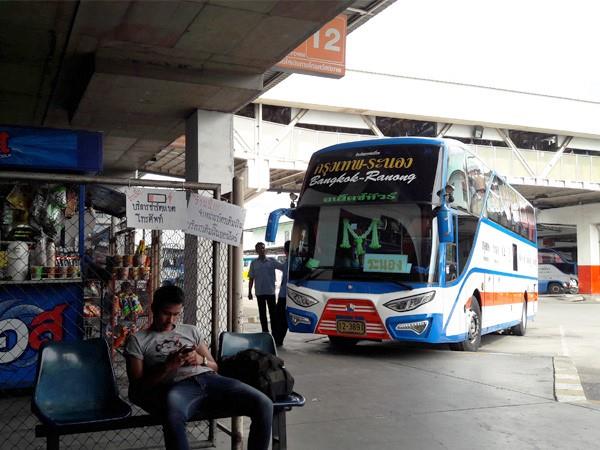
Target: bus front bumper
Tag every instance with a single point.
(416, 328)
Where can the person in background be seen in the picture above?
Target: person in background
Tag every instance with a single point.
(173, 375)
(262, 273)
(280, 326)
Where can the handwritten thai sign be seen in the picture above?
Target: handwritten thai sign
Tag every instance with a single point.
(155, 209)
(215, 220)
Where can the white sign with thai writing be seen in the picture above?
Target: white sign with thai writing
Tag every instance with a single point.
(215, 220)
(155, 209)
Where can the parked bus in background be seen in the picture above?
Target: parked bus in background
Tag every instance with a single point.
(557, 274)
(411, 239)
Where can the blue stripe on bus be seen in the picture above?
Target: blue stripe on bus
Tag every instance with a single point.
(386, 141)
(500, 326)
(464, 275)
(478, 270)
(433, 334)
(301, 327)
(509, 232)
(358, 287)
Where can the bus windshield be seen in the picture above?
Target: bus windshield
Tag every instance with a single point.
(389, 242)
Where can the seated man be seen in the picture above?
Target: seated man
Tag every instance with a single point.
(172, 374)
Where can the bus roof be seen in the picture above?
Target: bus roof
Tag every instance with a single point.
(387, 141)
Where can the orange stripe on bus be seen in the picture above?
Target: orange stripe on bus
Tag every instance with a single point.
(505, 298)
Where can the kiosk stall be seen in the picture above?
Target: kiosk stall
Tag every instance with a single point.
(42, 238)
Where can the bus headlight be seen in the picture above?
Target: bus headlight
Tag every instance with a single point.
(299, 299)
(410, 303)
(573, 282)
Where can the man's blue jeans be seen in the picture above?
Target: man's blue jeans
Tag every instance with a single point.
(210, 395)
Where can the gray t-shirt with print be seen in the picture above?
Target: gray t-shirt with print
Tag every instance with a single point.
(153, 347)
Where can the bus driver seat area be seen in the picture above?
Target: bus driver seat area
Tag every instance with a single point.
(478, 195)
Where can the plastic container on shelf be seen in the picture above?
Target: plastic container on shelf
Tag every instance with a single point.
(18, 261)
(50, 254)
(127, 260)
(38, 253)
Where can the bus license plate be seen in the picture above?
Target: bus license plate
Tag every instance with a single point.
(350, 327)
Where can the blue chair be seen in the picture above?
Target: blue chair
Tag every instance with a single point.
(75, 385)
(231, 343)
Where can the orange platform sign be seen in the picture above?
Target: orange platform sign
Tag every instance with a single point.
(323, 54)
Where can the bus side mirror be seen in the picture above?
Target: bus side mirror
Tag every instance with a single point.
(273, 222)
(445, 225)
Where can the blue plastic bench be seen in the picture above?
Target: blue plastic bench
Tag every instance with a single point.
(231, 343)
(76, 392)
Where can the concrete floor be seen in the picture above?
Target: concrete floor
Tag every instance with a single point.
(393, 395)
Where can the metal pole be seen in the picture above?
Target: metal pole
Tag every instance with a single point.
(237, 424)
(216, 268)
(238, 254)
(229, 288)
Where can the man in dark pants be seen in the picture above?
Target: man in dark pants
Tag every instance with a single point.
(173, 375)
(262, 277)
(280, 325)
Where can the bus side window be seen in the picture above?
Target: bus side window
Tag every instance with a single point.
(530, 223)
(494, 203)
(478, 176)
(451, 271)
(467, 226)
(457, 177)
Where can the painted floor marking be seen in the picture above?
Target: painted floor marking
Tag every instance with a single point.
(567, 384)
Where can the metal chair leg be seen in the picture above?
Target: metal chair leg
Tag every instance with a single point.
(279, 431)
(52, 441)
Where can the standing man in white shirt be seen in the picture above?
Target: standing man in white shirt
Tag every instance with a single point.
(262, 278)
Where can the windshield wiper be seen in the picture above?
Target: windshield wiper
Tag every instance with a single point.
(406, 286)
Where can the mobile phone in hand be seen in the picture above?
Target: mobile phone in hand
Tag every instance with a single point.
(186, 349)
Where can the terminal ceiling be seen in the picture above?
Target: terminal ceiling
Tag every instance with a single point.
(136, 69)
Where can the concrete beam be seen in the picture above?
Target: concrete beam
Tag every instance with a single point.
(119, 62)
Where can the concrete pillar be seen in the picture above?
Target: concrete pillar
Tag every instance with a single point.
(588, 258)
(208, 159)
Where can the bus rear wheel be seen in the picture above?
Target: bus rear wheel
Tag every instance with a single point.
(555, 288)
(473, 340)
(521, 328)
(342, 342)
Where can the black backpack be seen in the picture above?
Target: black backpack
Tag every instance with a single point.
(261, 370)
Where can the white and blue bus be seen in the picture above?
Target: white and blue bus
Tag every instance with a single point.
(556, 273)
(411, 239)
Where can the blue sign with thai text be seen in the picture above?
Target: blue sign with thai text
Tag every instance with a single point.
(29, 316)
(50, 149)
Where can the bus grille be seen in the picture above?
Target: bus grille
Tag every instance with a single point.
(352, 318)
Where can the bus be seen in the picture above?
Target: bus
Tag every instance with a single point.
(409, 239)
(557, 274)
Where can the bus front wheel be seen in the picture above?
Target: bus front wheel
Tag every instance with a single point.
(473, 340)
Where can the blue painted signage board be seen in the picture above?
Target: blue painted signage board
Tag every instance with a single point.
(31, 314)
(50, 149)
